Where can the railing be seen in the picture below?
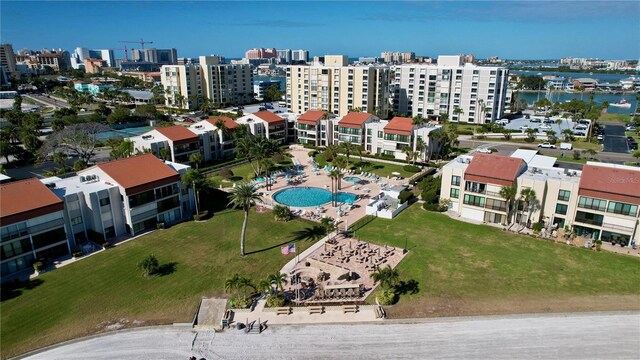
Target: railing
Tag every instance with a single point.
(145, 215)
(492, 193)
(618, 227)
(498, 208)
(46, 226)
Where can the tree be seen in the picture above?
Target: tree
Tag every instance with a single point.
(418, 121)
(17, 103)
(508, 193)
(149, 265)
(334, 174)
(146, 111)
(7, 149)
(165, 154)
(528, 196)
(120, 149)
(551, 136)
(223, 132)
(206, 105)
(80, 139)
(531, 134)
(197, 159)
(273, 92)
(458, 112)
(244, 283)
(348, 148)
(506, 134)
(636, 154)
(196, 180)
(444, 118)
(60, 159)
(232, 284)
(567, 134)
(278, 280)
(386, 277)
(340, 162)
(244, 196)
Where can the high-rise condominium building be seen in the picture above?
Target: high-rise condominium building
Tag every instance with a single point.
(299, 55)
(261, 53)
(337, 87)
(466, 92)
(157, 56)
(223, 84)
(284, 56)
(398, 57)
(8, 60)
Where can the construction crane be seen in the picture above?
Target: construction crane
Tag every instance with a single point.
(126, 54)
(141, 42)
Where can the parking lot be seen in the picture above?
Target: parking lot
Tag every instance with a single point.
(614, 139)
(547, 124)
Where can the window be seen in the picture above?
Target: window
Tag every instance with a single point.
(105, 201)
(141, 198)
(455, 193)
(474, 200)
(622, 208)
(475, 187)
(591, 203)
(76, 220)
(564, 195)
(455, 180)
(561, 209)
(494, 204)
(589, 218)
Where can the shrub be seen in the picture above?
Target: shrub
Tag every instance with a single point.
(493, 150)
(404, 196)
(465, 132)
(576, 155)
(430, 197)
(38, 266)
(160, 225)
(201, 216)
(327, 156)
(242, 303)
(77, 254)
(312, 153)
(149, 265)
(537, 227)
(275, 301)
(411, 168)
(386, 297)
(434, 207)
(225, 173)
(282, 213)
(278, 158)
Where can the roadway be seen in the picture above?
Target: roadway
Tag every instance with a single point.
(538, 336)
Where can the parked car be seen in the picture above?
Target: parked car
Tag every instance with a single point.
(548, 121)
(583, 122)
(536, 120)
(502, 122)
(579, 133)
(581, 127)
(600, 137)
(545, 127)
(190, 121)
(278, 112)
(566, 146)
(547, 145)
(630, 139)
(633, 146)
(527, 116)
(484, 150)
(524, 127)
(630, 128)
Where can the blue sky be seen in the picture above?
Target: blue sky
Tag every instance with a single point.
(512, 30)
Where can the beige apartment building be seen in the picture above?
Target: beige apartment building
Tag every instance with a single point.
(600, 202)
(224, 84)
(337, 87)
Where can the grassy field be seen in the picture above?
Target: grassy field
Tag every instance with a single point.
(244, 172)
(460, 268)
(369, 165)
(81, 298)
(622, 118)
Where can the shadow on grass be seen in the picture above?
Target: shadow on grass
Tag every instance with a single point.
(167, 269)
(10, 290)
(407, 287)
(312, 233)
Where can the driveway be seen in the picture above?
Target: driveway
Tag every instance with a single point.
(543, 336)
(614, 139)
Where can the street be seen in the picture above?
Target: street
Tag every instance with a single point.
(537, 336)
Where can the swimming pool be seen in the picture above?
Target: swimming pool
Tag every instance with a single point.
(353, 179)
(310, 196)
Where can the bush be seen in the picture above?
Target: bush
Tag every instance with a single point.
(465, 132)
(275, 301)
(493, 150)
(312, 153)
(430, 197)
(434, 207)
(77, 254)
(201, 216)
(282, 213)
(422, 176)
(404, 196)
(38, 266)
(576, 155)
(149, 265)
(386, 297)
(160, 225)
(411, 168)
(225, 173)
(537, 227)
(278, 158)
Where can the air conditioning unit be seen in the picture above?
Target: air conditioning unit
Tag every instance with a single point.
(83, 178)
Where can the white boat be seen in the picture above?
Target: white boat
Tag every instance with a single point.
(622, 103)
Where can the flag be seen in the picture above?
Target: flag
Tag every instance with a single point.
(288, 249)
(292, 248)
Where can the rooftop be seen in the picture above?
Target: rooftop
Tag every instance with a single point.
(611, 182)
(25, 195)
(228, 122)
(533, 159)
(74, 184)
(177, 133)
(311, 117)
(399, 126)
(494, 169)
(137, 171)
(268, 116)
(354, 119)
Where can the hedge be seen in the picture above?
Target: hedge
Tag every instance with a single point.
(404, 196)
(411, 168)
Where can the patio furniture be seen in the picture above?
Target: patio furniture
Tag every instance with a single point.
(316, 310)
(283, 311)
(349, 308)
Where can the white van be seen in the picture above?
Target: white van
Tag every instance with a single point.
(566, 146)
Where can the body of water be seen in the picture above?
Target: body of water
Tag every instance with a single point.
(532, 97)
(607, 78)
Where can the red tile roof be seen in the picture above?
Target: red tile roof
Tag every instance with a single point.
(178, 134)
(354, 120)
(610, 183)
(268, 116)
(22, 200)
(227, 121)
(493, 169)
(139, 173)
(399, 126)
(311, 117)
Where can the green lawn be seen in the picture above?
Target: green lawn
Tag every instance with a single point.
(72, 301)
(623, 118)
(244, 172)
(569, 158)
(463, 262)
(370, 165)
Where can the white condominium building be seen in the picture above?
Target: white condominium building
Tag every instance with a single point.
(600, 202)
(337, 87)
(186, 86)
(266, 124)
(389, 137)
(466, 92)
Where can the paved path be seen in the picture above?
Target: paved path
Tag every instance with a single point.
(547, 336)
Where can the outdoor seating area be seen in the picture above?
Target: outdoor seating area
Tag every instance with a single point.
(339, 271)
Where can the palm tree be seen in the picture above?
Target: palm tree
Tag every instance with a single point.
(421, 146)
(444, 118)
(265, 285)
(528, 196)
(459, 112)
(340, 162)
(244, 282)
(551, 135)
(231, 284)
(267, 164)
(386, 277)
(331, 151)
(359, 150)
(196, 158)
(334, 174)
(523, 104)
(196, 180)
(223, 131)
(277, 280)
(508, 193)
(244, 196)
(347, 148)
(407, 152)
(568, 134)
(418, 120)
(165, 153)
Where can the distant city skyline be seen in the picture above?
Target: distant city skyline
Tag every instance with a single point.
(509, 30)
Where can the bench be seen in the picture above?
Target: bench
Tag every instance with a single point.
(316, 310)
(349, 308)
(380, 314)
(283, 311)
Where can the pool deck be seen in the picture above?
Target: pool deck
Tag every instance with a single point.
(364, 190)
